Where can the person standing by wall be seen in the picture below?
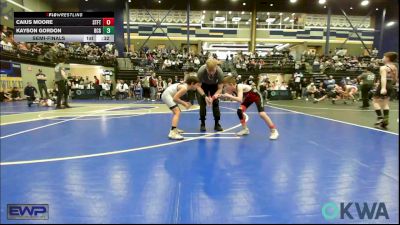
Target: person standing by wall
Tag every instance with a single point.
(41, 81)
(153, 87)
(146, 87)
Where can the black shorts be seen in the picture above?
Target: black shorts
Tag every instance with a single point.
(389, 89)
(253, 97)
(332, 94)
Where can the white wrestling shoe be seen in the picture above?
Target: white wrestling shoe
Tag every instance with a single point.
(274, 134)
(244, 131)
(174, 135)
(180, 131)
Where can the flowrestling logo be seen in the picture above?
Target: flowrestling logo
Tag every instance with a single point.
(364, 211)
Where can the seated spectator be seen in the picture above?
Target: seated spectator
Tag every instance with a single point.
(311, 91)
(106, 90)
(167, 64)
(122, 90)
(15, 94)
(5, 96)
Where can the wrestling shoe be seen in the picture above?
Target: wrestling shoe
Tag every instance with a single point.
(244, 131)
(274, 134)
(180, 131)
(174, 135)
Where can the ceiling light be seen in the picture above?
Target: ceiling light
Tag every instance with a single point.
(293, 1)
(204, 11)
(391, 23)
(286, 19)
(365, 3)
(230, 12)
(219, 19)
(351, 7)
(270, 20)
(247, 22)
(280, 14)
(322, 2)
(236, 19)
(159, 2)
(268, 13)
(293, 14)
(217, 12)
(242, 12)
(244, 3)
(271, 4)
(376, 9)
(292, 20)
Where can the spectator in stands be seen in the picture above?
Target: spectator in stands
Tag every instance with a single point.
(375, 52)
(8, 42)
(176, 80)
(250, 81)
(29, 92)
(169, 83)
(167, 64)
(239, 79)
(36, 49)
(122, 90)
(41, 81)
(316, 66)
(283, 86)
(330, 83)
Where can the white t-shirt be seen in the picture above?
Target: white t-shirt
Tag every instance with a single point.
(105, 86)
(122, 87)
(297, 77)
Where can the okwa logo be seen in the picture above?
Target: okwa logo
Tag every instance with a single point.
(376, 210)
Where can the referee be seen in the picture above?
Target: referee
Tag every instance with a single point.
(61, 81)
(211, 77)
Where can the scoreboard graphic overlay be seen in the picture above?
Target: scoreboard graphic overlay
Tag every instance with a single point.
(64, 26)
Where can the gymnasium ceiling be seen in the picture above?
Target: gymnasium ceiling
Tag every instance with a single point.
(301, 6)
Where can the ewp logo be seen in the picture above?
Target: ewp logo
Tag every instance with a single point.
(27, 212)
(332, 211)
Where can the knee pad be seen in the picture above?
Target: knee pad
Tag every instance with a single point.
(240, 113)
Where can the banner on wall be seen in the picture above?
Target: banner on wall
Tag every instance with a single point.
(10, 75)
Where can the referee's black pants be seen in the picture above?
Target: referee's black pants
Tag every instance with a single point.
(62, 92)
(365, 89)
(209, 90)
